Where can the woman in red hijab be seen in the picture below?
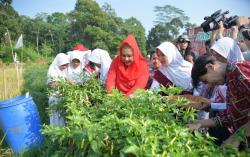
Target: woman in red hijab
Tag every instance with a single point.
(129, 70)
(80, 47)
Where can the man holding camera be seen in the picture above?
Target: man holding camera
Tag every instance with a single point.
(245, 30)
(184, 46)
(245, 43)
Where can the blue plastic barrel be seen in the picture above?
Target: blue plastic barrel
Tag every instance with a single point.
(20, 122)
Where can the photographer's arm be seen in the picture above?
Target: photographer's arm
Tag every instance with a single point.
(221, 30)
(220, 33)
(213, 37)
(234, 32)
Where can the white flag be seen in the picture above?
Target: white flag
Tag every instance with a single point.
(19, 42)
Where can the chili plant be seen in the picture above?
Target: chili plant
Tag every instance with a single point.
(109, 124)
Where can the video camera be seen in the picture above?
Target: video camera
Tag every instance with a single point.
(212, 22)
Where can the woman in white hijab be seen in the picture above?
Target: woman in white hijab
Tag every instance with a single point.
(57, 71)
(224, 50)
(227, 50)
(58, 68)
(102, 61)
(174, 68)
(75, 69)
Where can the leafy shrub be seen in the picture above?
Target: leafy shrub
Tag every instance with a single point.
(46, 50)
(25, 54)
(145, 125)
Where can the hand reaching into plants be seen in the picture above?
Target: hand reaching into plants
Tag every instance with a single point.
(196, 102)
(207, 123)
(194, 126)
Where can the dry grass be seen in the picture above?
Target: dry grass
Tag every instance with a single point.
(10, 81)
(5, 152)
(9, 88)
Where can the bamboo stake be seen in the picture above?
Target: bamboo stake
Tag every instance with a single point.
(21, 55)
(4, 83)
(10, 44)
(17, 75)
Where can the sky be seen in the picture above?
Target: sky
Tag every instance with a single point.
(143, 10)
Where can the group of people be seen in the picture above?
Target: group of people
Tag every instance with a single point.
(222, 76)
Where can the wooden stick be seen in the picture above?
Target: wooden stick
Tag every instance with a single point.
(21, 72)
(4, 83)
(10, 45)
(17, 75)
(21, 56)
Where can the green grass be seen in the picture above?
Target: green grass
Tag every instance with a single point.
(35, 78)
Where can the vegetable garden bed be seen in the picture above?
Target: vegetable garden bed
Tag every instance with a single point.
(145, 125)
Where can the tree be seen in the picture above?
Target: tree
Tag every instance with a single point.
(58, 19)
(9, 19)
(6, 2)
(133, 26)
(59, 24)
(167, 13)
(86, 13)
(28, 29)
(41, 16)
(158, 34)
(169, 22)
(189, 25)
(38, 31)
(100, 27)
(108, 9)
(88, 23)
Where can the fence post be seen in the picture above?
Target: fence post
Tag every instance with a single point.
(4, 83)
(17, 75)
(21, 74)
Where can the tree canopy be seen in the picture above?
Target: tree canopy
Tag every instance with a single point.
(90, 24)
(168, 24)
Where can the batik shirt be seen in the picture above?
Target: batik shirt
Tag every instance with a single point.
(238, 96)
